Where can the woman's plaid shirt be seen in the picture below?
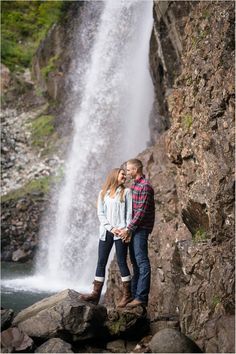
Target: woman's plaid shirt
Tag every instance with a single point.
(143, 214)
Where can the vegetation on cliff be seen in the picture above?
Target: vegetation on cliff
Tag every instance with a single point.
(24, 25)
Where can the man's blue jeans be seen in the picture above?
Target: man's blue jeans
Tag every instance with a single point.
(140, 284)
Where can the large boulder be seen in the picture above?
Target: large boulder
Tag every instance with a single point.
(14, 340)
(54, 345)
(61, 314)
(169, 340)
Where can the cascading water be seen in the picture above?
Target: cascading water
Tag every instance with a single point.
(111, 125)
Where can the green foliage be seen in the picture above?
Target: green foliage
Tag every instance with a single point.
(200, 235)
(24, 24)
(50, 67)
(36, 185)
(41, 128)
(187, 121)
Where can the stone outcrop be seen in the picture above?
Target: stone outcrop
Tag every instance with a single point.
(191, 168)
(171, 341)
(60, 314)
(64, 323)
(20, 226)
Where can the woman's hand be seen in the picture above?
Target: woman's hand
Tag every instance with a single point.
(115, 231)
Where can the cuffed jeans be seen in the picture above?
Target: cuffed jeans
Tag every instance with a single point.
(140, 284)
(104, 249)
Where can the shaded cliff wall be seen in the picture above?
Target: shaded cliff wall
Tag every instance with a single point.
(191, 167)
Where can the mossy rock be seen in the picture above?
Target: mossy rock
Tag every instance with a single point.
(35, 188)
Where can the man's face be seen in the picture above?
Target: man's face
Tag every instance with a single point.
(131, 171)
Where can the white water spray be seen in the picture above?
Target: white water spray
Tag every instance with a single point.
(111, 125)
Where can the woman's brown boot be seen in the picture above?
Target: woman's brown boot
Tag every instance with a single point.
(94, 297)
(127, 296)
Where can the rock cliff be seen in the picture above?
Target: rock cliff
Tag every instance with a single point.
(191, 167)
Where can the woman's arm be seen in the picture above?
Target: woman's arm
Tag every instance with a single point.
(101, 214)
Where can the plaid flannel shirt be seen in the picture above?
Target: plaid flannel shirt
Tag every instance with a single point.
(143, 214)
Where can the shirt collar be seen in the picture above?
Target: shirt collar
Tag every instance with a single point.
(139, 179)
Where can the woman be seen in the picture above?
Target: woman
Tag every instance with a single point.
(114, 213)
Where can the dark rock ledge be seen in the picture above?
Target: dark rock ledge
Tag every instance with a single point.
(62, 323)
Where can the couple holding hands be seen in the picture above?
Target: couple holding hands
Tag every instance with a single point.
(126, 218)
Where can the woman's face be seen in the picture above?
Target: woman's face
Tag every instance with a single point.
(121, 177)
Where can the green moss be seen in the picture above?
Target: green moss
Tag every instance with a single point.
(189, 81)
(215, 300)
(187, 121)
(42, 128)
(50, 67)
(200, 235)
(37, 185)
(206, 14)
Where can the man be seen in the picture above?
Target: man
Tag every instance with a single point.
(140, 226)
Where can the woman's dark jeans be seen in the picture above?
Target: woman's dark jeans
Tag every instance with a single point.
(104, 250)
(140, 284)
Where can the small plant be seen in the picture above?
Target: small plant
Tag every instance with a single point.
(215, 300)
(206, 14)
(189, 81)
(50, 67)
(200, 235)
(187, 121)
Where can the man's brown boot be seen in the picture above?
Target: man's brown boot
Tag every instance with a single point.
(127, 296)
(94, 297)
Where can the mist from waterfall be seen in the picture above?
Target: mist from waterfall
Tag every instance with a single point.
(111, 124)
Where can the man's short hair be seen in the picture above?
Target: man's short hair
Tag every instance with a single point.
(137, 163)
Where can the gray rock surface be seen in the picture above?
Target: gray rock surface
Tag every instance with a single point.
(61, 313)
(54, 345)
(169, 340)
(14, 340)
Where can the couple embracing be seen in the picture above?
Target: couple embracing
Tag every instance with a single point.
(126, 218)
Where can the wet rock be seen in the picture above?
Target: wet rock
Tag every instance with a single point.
(14, 340)
(54, 345)
(6, 318)
(171, 341)
(21, 256)
(61, 313)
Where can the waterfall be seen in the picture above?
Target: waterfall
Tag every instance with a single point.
(111, 125)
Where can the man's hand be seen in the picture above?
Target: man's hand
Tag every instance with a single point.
(125, 235)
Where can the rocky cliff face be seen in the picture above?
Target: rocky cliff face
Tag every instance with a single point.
(191, 168)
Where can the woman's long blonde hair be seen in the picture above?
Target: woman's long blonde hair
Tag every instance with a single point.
(111, 184)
